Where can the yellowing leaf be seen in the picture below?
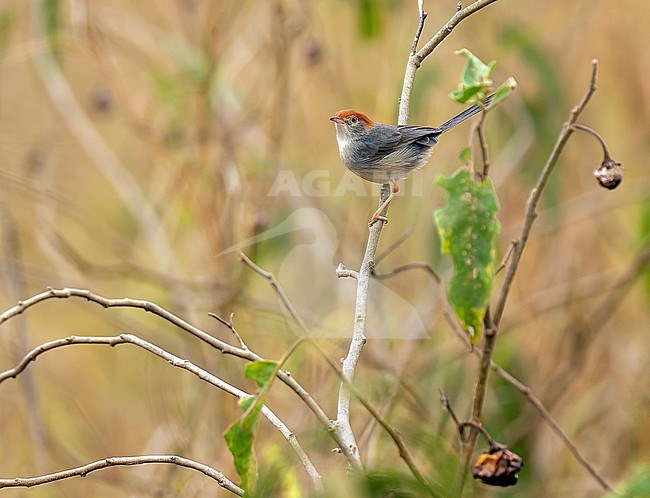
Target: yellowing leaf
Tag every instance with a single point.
(468, 230)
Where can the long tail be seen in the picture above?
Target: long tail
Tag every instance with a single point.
(459, 118)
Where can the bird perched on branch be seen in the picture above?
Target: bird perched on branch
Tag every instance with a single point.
(382, 153)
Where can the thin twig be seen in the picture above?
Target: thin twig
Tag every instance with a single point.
(447, 406)
(358, 337)
(176, 362)
(480, 133)
(284, 299)
(536, 193)
(492, 321)
(480, 386)
(506, 257)
(84, 470)
(625, 282)
(400, 240)
(231, 326)
(404, 452)
(344, 272)
(153, 308)
(342, 435)
(405, 267)
(460, 426)
(595, 134)
(552, 423)
(418, 33)
(415, 59)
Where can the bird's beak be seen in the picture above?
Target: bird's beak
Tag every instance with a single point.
(336, 119)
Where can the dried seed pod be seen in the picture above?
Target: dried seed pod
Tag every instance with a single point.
(610, 173)
(498, 467)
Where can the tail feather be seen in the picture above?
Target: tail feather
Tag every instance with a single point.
(459, 118)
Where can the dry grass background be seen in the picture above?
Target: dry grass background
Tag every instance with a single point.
(181, 115)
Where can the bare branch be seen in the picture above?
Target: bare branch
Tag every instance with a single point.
(224, 347)
(358, 339)
(343, 272)
(407, 266)
(506, 257)
(492, 320)
(480, 133)
(67, 293)
(340, 434)
(394, 245)
(284, 299)
(625, 281)
(536, 194)
(84, 470)
(415, 59)
(176, 362)
(552, 423)
(418, 32)
(231, 326)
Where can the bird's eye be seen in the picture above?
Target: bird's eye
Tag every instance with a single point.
(353, 120)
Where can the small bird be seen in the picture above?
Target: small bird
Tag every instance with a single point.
(382, 153)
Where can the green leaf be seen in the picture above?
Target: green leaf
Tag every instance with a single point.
(468, 230)
(260, 371)
(240, 436)
(465, 155)
(476, 80)
(504, 91)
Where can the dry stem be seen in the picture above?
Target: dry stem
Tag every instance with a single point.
(84, 470)
(493, 320)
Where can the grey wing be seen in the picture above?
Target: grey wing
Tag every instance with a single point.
(380, 141)
(384, 140)
(420, 135)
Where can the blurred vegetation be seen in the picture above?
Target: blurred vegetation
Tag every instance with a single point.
(139, 144)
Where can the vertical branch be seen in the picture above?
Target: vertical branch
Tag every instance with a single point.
(492, 320)
(358, 337)
(363, 279)
(536, 194)
(480, 133)
(415, 58)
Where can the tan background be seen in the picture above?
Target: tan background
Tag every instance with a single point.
(151, 145)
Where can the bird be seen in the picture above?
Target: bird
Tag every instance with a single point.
(383, 153)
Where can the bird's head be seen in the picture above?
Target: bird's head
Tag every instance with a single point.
(351, 124)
